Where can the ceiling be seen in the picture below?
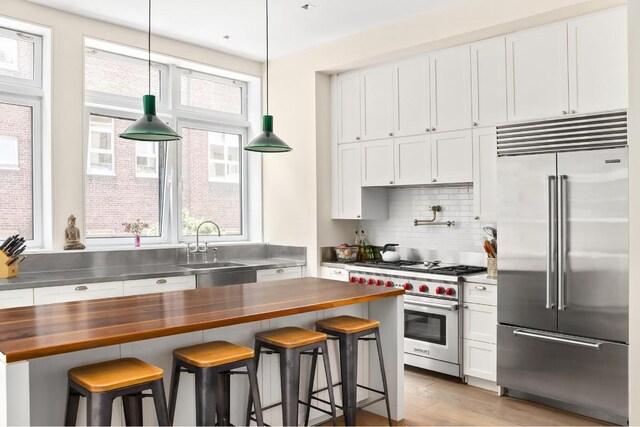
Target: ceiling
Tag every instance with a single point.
(292, 28)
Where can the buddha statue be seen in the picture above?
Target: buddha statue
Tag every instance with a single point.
(72, 235)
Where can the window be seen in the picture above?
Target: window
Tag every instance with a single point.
(9, 152)
(101, 150)
(146, 159)
(21, 136)
(172, 186)
(224, 157)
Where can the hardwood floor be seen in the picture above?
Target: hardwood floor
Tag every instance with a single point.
(434, 399)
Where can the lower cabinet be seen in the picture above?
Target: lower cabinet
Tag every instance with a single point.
(334, 273)
(279, 274)
(159, 284)
(479, 333)
(81, 292)
(16, 298)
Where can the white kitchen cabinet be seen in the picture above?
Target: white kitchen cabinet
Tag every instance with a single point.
(485, 174)
(377, 102)
(333, 273)
(348, 107)
(480, 360)
(489, 82)
(480, 322)
(159, 284)
(350, 200)
(16, 298)
(377, 163)
(537, 84)
(450, 76)
(412, 106)
(279, 274)
(598, 61)
(452, 157)
(480, 293)
(80, 292)
(412, 158)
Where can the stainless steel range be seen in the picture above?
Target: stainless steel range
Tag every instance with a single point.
(432, 321)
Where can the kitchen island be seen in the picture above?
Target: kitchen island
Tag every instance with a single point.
(39, 344)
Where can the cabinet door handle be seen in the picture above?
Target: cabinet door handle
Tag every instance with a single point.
(337, 271)
(81, 288)
(466, 306)
(433, 129)
(434, 180)
(573, 111)
(357, 216)
(564, 112)
(390, 133)
(390, 182)
(279, 271)
(481, 288)
(475, 123)
(357, 138)
(476, 217)
(161, 281)
(427, 130)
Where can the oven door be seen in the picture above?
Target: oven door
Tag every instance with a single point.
(431, 328)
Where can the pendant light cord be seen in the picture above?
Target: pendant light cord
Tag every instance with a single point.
(149, 47)
(267, 38)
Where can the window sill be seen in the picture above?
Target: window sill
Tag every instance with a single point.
(119, 247)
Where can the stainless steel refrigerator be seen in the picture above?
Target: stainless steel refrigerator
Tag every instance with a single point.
(563, 283)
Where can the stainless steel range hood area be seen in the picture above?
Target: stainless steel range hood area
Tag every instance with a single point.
(563, 297)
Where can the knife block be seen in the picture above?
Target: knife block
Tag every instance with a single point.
(5, 270)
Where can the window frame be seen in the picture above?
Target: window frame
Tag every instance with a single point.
(36, 81)
(37, 183)
(165, 232)
(111, 151)
(155, 155)
(222, 128)
(13, 166)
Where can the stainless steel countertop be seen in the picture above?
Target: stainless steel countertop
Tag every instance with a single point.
(111, 274)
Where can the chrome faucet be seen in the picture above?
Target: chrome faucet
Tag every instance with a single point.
(202, 248)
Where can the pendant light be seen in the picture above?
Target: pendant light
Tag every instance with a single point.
(267, 141)
(149, 127)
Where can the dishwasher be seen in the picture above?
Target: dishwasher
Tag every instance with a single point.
(222, 278)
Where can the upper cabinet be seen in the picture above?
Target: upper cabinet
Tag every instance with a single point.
(412, 160)
(452, 157)
(348, 107)
(412, 104)
(537, 84)
(598, 61)
(377, 163)
(377, 102)
(450, 78)
(489, 82)
(485, 174)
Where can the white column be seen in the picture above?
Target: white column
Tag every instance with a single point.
(14, 394)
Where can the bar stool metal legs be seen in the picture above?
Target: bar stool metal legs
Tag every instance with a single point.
(348, 343)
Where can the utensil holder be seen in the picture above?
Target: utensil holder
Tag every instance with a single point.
(492, 268)
(7, 271)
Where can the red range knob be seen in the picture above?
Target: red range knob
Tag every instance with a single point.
(408, 286)
(379, 282)
(389, 284)
(451, 292)
(353, 279)
(361, 280)
(424, 288)
(440, 290)
(371, 282)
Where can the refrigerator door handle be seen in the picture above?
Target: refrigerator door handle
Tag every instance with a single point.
(552, 214)
(594, 344)
(562, 239)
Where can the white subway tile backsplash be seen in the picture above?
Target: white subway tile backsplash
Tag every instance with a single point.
(407, 204)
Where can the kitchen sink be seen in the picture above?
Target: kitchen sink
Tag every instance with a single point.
(207, 265)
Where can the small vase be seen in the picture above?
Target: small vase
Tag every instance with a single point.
(136, 241)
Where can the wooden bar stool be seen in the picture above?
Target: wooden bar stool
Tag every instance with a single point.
(290, 343)
(212, 363)
(102, 382)
(349, 330)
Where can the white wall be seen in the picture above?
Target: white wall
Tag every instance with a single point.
(633, 16)
(68, 33)
(297, 206)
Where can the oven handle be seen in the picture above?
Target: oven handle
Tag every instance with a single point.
(449, 307)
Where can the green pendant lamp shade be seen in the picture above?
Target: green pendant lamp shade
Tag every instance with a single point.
(149, 127)
(267, 141)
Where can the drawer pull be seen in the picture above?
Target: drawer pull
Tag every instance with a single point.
(81, 288)
(337, 271)
(481, 288)
(279, 271)
(161, 281)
